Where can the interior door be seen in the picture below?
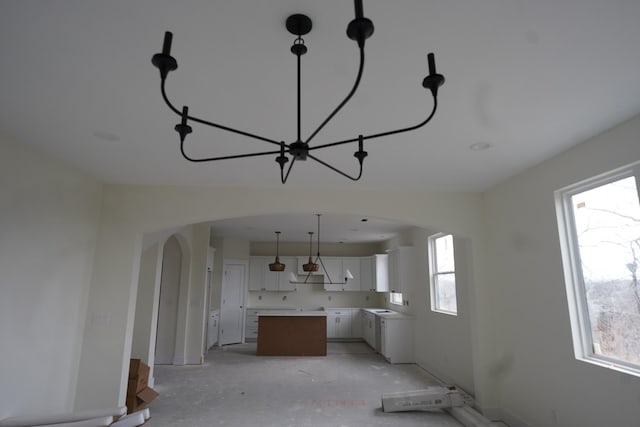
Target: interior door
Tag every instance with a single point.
(234, 283)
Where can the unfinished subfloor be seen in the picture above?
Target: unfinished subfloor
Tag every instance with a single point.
(234, 387)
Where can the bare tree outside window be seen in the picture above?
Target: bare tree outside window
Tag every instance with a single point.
(607, 227)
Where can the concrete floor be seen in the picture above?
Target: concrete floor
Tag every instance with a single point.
(237, 388)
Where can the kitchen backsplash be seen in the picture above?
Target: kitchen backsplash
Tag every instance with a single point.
(314, 296)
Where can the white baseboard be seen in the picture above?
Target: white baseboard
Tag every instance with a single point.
(499, 414)
(445, 379)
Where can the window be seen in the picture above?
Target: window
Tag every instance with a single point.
(396, 298)
(600, 237)
(443, 274)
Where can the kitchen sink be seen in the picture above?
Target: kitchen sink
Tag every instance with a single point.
(383, 311)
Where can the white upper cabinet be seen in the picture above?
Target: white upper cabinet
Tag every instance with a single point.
(334, 277)
(261, 279)
(366, 274)
(291, 266)
(374, 276)
(400, 264)
(353, 266)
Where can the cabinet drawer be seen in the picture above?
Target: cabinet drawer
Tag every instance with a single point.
(337, 311)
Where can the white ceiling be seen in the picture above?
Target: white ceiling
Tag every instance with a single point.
(531, 78)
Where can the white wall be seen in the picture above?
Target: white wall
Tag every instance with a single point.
(49, 216)
(444, 344)
(541, 383)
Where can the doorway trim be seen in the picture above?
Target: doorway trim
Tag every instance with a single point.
(243, 293)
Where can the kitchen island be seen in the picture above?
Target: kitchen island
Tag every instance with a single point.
(292, 333)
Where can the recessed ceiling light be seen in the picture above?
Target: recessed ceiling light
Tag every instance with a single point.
(480, 146)
(364, 220)
(106, 136)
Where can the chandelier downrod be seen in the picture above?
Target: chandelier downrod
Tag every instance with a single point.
(359, 30)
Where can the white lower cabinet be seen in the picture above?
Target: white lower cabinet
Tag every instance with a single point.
(396, 339)
(369, 330)
(343, 323)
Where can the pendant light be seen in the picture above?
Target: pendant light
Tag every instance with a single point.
(310, 266)
(277, 265)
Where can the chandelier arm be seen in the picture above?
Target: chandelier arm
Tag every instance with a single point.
(283, 178)
(378, 135)
(336, 169)
(407, 129)
(211, 159)
(345, 100)
(204, 122)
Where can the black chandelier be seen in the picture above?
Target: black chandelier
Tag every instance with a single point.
(359, 29)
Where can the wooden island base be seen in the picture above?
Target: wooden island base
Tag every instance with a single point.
(292, 335)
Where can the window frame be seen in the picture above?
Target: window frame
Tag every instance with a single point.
(583, 343)
(433, 273)
(397, 295)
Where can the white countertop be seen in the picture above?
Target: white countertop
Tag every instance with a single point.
(313, 313)
(387, 314)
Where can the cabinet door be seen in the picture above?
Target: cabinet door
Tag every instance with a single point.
(344, 325)
(394, 286)
(366, 274)
(356, 323)
(291, 266)
(271, 278)
(353, 265)
(333, 267)
(332, 322)
(368, 326)
(257, 270)
(380, 272)
(400, 265)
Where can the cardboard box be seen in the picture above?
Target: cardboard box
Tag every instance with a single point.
(139, 394)
(139, 371)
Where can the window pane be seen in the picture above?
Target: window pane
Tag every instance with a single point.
(396, 297)
(607, 222)
(444, 253)
(445, 292)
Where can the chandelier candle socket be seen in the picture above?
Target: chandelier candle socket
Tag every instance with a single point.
(359, 30)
